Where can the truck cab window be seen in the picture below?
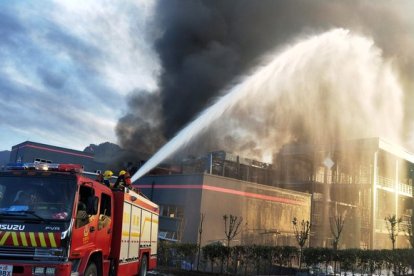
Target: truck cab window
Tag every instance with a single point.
(104, 212)
(48, 198)
(85, 206)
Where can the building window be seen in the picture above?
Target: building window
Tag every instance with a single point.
(172, 211)
(320, 175)
(42, 160)
(167, 235)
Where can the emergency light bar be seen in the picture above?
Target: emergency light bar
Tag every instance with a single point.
(38, 166)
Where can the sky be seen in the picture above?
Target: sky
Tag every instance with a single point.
(66, 68)
(135, 72)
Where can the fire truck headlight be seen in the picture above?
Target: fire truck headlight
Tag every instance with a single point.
(40, 270)
(50, 271)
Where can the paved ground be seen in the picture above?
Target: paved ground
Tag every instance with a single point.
(178, 272)
(156, 273)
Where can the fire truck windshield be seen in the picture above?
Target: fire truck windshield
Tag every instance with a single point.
(37, 198)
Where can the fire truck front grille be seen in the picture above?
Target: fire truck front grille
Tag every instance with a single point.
(31, 253)
(17, 253)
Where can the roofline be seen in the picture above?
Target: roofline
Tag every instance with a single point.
(380, 143)
(217, 188)
(395, 150)
(52, 148)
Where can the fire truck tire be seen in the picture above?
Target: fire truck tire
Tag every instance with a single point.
(112, 268)
(143, 266)
(91, 270)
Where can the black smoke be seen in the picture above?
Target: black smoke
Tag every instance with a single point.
(140, 131)
(205, 46)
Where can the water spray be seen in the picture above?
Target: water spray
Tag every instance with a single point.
(367, 99)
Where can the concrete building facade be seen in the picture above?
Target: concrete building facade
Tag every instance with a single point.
(267, 211)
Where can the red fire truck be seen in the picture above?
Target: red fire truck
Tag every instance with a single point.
(56, 221)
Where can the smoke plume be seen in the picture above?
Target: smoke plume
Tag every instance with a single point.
(139, 131)
(205, 47)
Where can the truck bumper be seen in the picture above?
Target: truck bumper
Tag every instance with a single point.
(22, 268)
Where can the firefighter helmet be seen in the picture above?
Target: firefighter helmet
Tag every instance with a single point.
(108, 174)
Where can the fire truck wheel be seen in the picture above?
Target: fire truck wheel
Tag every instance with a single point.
(143, 267)
(112, 268)
(91, 270)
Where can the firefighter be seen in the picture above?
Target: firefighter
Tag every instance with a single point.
(127, 178)
(107, 176)
(124, 180)
(100, 178)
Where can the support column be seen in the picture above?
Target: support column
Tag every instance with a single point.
(396, 190)
(374, 200)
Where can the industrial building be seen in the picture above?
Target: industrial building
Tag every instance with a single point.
(364, 181)
(360, 181)
(31, 152)
(267, 211)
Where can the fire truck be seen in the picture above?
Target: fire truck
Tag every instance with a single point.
(56, 221)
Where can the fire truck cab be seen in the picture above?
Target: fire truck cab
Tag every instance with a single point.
(56, 221)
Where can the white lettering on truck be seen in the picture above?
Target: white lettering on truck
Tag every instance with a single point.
(11, 227)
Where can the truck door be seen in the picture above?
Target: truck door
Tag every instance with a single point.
(104, 232)
(86, 222)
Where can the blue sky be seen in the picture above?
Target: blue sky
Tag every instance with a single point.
(66, 68)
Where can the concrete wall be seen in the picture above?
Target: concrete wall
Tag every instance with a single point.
(176, 190)
(267, 212)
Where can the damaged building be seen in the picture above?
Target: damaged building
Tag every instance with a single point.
(230, 165)
(361, 181)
